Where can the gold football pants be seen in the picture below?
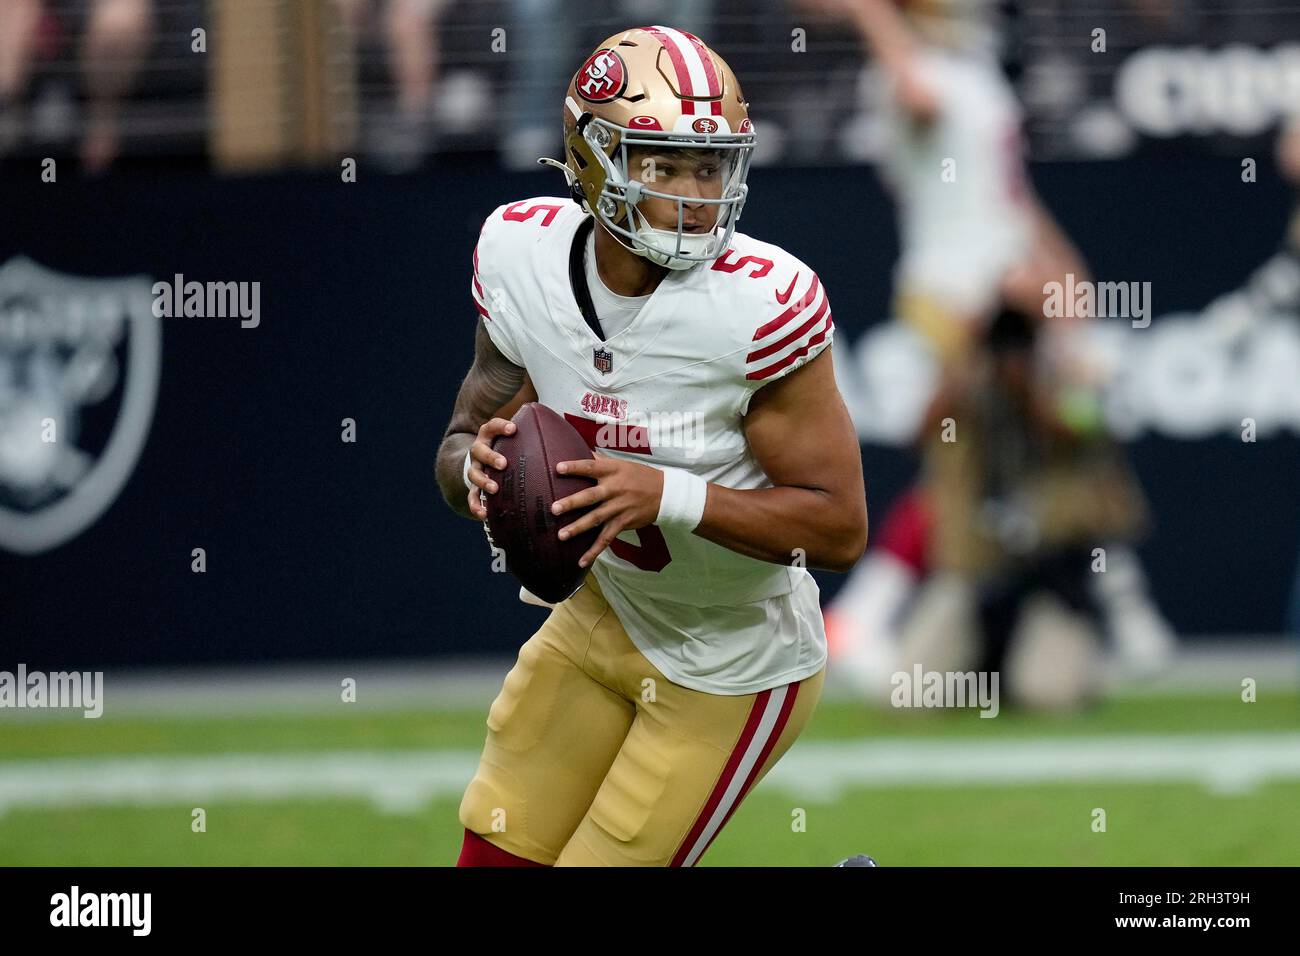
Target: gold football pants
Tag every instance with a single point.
(594, 758)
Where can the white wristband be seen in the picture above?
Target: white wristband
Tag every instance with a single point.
(682, 502)
(465, 472)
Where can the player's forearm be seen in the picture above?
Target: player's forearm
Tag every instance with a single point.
(494, 387)
(450, 471)
(786, 524)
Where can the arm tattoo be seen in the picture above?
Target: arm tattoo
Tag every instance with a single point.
(492, 381)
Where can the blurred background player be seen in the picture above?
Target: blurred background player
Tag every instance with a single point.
(972, 231)
(974, 235)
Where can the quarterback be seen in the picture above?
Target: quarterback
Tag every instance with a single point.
(653, 699)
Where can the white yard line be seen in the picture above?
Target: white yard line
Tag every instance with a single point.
(404, 781)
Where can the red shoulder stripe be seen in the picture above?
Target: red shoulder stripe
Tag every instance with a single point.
(781, 343)
(793, 356)
(798, 306)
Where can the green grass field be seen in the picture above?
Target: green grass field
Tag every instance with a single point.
(50, 813)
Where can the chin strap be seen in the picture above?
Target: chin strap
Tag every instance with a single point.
(569, 175)
(570, 178)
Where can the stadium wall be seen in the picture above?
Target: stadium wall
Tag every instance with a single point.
(316, 547)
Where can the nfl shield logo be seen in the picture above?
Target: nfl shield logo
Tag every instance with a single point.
(604, 360)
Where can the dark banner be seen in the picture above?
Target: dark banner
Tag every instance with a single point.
(258, 483)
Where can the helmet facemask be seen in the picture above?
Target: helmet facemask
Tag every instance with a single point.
(624, 187)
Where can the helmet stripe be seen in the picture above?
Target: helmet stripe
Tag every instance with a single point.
(713, 85)
(685, 86)
(701, 77)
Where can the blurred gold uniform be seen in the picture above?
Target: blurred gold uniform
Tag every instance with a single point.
(595, 758)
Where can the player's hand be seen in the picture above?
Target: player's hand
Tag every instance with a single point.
(627, 494)
(480, 454)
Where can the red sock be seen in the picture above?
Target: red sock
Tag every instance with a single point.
(476, 851)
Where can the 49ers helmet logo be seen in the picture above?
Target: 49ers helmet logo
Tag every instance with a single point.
(602, 77)
(705, 125)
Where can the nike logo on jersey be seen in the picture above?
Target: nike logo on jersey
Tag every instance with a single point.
(784, 297)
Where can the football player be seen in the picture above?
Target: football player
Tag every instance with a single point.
(975, 236)
(695, 360)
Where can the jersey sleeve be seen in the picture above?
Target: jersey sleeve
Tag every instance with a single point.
(791, 334)
(487, 288)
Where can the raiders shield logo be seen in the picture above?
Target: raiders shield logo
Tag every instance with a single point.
(70, 346)
(603, 360)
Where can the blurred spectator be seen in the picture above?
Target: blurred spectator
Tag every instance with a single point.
(1022, 499)
(476, 75)
(19, 20)
(546, 50)
(1008, 512)
(117, 38)
(112, 38)
(403, 134)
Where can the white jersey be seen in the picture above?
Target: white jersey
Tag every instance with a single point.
(670, 390)
(961, 185)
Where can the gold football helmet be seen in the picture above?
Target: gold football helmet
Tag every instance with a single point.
(655, 87)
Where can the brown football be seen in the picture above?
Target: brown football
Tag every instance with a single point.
(519, 519)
